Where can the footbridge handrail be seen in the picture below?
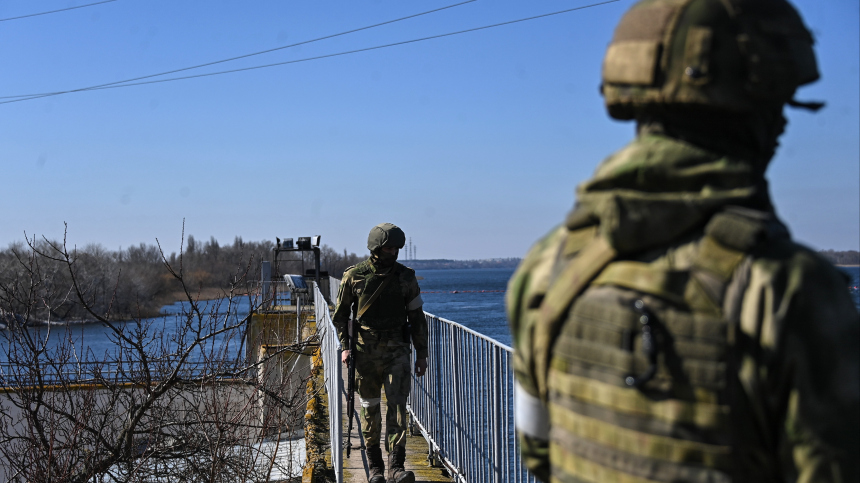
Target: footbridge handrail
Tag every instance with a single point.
(464, 405)
(330, 350)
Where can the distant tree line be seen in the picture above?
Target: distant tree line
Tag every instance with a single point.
(449, 264)
(133, 282)
(850, 257)
(335, 263)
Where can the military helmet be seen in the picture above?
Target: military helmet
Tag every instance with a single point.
(385, 235)
(730, 55)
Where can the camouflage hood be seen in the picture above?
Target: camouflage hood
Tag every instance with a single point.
(658, 188)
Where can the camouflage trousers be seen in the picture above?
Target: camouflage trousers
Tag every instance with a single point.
(383, 362)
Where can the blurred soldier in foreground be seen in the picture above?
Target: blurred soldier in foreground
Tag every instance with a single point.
(384, 298)
(670, 330)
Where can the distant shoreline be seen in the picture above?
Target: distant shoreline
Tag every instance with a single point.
(200, 295)
(214, 293)
(445, 264)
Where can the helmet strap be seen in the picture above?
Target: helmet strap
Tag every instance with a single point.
(813, 106)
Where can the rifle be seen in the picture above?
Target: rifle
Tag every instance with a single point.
(350, 384)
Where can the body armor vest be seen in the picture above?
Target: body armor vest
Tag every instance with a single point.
(388, 312)
(644, 361)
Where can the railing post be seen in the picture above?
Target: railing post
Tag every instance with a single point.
(437, 393)
(497, 416)
(455, 416)
(266, 277)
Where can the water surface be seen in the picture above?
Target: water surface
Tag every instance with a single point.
(472, 297)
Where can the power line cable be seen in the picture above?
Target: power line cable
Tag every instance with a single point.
(244, 56)
(55, 11)
(306, 59)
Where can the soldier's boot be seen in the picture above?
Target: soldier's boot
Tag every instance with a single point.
(376, 465)
(396, 472)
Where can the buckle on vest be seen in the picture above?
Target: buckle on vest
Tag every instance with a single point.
(650, 345)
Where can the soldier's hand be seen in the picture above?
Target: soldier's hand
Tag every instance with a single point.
(344, 357)
(420, 367)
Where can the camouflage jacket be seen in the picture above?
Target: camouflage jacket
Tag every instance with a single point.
(758, 378)
(397, 313)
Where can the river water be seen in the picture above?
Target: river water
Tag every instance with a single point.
(472, 297)
(853, 274)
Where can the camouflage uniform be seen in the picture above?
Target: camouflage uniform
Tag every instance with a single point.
(670, 330)
(384, 297)
(383, 344)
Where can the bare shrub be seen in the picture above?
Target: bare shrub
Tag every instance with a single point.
(171, 399)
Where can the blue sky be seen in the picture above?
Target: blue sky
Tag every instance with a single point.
(473, 144)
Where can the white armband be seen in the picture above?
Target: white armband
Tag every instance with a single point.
(530, 415)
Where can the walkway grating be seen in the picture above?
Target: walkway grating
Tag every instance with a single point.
(355, 468)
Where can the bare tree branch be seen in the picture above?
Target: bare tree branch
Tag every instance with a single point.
(171, 398)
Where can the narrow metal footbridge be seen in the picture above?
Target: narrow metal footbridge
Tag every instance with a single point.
(462, 408)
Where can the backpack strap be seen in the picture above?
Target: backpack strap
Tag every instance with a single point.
(742, 231)
(576, 273)
(730, 236)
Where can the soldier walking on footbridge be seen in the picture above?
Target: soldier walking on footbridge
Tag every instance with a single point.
(383, 300)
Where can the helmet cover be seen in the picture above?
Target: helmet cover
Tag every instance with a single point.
(385, 235)
(730, 55)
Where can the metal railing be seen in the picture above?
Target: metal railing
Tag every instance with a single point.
(275, 294)
(13, 374)
(464, 405)
(330, 350)
(333, 288)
